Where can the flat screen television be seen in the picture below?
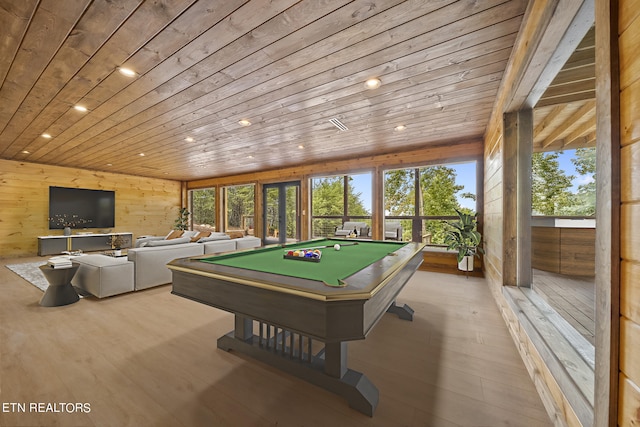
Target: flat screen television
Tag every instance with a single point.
(81, 208)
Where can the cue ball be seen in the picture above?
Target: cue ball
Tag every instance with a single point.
(336, 247)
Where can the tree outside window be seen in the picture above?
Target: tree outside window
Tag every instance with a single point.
(555, 192)
(203, 209)
(239, 202)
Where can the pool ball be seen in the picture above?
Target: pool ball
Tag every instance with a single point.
(336, 247)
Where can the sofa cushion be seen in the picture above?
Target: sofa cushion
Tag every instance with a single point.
(214, 236)
(151, 263)
(177, 241)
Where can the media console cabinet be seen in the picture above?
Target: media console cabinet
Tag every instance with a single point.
(50, 245)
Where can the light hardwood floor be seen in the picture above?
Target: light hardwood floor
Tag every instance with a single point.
(150, 359)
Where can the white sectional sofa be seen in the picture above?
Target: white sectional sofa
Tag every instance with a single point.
(146, 266)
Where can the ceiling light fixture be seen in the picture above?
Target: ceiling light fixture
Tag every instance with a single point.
(301, 146)
(141, 154)
(189, 139)
(373, 83)
(80, 108)
(25, 152)
(244, 122)
(46, 135)
(400, 128)
(127, 72)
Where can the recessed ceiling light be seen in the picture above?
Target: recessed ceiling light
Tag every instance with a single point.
(46, 135)
(301, 146)
(127, 72)
(189, 139)
(400, 128)
(141, 154)
(80, 108)
(109, 164)
(25, 152)
(244, 122)
(249, 156)
(373, 83)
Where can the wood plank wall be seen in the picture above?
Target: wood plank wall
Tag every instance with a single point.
(629, 378)
(569, 251)
(143, 205)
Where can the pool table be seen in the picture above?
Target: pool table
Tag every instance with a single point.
(298, 315)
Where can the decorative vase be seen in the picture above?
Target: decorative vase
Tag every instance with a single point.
(67, 231)
(466, 264)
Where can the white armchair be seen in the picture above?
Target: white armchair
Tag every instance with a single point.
(350, 227)
(392, 231)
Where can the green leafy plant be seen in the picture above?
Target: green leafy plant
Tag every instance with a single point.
(116, 241)
(182, 222)
(463, 236)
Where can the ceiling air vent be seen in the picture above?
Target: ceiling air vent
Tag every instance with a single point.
(337, 123)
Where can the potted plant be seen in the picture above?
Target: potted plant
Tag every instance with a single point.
(464, 237)
(182, 222)
(117, 242)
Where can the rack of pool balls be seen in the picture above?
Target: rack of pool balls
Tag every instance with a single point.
(312, 255)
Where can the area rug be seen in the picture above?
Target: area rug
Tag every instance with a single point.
(30, 272)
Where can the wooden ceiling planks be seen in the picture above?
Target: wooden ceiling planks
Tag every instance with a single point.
(286, 65)
(565, 116)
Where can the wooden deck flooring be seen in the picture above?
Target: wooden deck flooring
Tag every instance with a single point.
(572, 297)
(150, 359)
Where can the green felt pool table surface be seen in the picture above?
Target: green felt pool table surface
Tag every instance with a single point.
(333, 267)
(356, 271)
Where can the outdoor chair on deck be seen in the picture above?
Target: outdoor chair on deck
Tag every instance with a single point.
(350, 227)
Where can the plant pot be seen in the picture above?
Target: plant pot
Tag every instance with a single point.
(466, 264)
(67, 231)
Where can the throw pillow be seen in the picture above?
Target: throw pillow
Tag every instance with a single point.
(174, 234)
(235, 234)
(200, 235)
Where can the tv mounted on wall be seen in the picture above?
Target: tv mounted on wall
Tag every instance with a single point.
(81, 208)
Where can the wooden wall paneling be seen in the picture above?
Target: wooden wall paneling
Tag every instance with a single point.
(630, 181)
(608, 134)
(577, 251)
(143, 205)
(630, 291)
(630, 228)
(511, 201)
(545, 248)
(629, 41)
(629, 105)
(629, 403)
(629, 349)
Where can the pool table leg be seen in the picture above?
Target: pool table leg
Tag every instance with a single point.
(327, 369)
(405, 312)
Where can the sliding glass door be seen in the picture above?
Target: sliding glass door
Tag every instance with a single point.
(281, 212)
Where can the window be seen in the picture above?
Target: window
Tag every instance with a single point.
(203, 209)
(239, 207)
(337, 199)
(421, 198)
